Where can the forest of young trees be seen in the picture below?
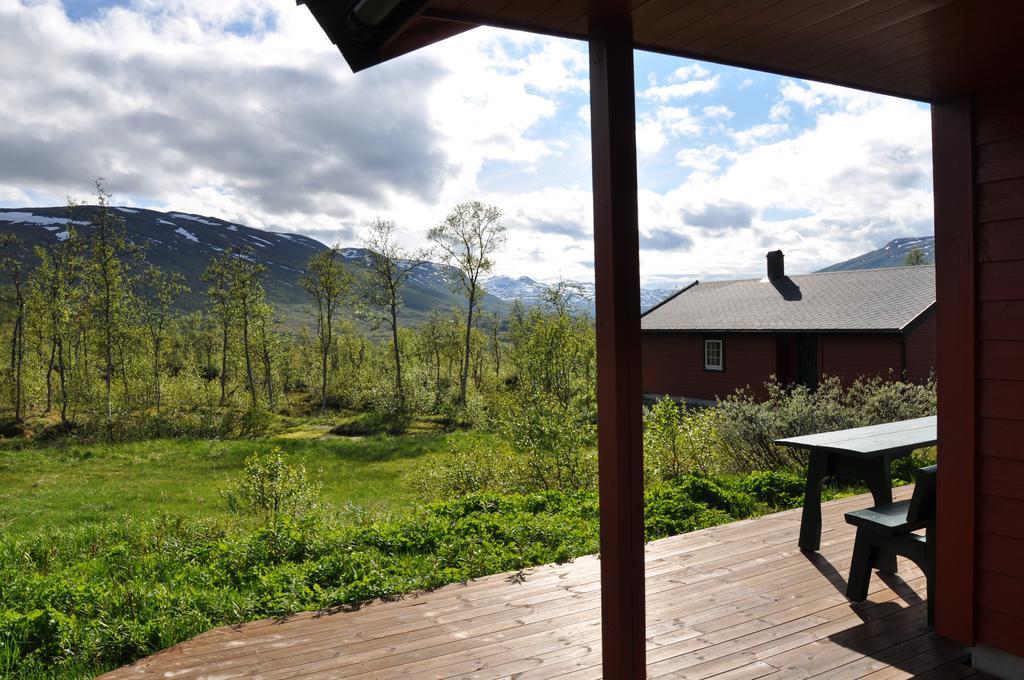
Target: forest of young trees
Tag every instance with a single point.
(99, 343)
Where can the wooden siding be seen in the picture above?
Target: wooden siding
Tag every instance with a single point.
(999, 481)
(921, 343)
(735, 601)
(673, 363)
(852, 356)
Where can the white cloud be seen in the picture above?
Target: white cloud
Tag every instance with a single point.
(707, 159)
(665, 93)
(758, 133)
(718, 112)
(689, 72)
(655, 129)
(686, 81)
(780, 111)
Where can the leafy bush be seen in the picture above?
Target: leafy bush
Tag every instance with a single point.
(670, 510)
(780, 490)
(481, 466)
(679, 440)
(555, 440)
(718, 493)
(273, 489)
(748, 425)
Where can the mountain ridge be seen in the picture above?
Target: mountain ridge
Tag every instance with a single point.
(185, 242)
(892, 254)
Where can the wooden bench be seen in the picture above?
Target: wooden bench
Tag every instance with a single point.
(888, 528)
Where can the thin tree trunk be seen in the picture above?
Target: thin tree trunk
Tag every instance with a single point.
(224, 364)
(251, 382)
(465, 358)
(49, 374)
(268, 374)
(398, 356)
(437, 377)
(327, 337)
(19, 342)
(61, 373)
(156, 370)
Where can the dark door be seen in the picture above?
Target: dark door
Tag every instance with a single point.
(808, 371)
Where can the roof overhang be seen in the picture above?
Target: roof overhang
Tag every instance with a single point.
(921, 49)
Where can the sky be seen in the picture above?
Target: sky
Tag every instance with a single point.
(243, 110)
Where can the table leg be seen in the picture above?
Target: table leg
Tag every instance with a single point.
(878, 478)
(810, 522)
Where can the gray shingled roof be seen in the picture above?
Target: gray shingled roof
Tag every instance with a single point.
(875, 300)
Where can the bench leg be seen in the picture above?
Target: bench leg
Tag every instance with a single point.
(864, 556)
(879, 482)
(810, 521)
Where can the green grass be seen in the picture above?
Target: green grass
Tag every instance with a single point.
(76, 485)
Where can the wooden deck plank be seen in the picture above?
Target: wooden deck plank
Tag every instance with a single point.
(738, 601)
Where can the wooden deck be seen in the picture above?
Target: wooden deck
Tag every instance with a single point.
(731, 602)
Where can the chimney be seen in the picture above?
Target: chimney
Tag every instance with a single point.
(776, 265)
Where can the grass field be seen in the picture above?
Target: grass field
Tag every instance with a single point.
(65, 486)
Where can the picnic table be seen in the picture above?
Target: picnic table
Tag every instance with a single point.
(862, 454)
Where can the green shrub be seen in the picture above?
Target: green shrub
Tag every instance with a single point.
(904, 469)
(717, 493)
(670, 510)
(748, 425)
(273, 489)
(779, 490)
(556, 442)
(679, 440)
(480, 466)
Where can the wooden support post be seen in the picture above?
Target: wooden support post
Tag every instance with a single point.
(953, 172)
(619, 397)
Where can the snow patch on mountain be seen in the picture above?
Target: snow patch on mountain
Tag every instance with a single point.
(185, 233)
(32, 218)
(194, 218)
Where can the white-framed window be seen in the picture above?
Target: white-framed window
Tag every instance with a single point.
(714, 354)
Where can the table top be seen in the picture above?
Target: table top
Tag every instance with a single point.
(874, 440)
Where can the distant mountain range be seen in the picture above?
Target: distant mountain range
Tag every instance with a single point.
(531, 292)
(892, 254)
(185, 242)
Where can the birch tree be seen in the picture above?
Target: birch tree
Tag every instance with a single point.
(12, 262)
(160, 290)
(328, 283)
(467, 240)
(389, 268)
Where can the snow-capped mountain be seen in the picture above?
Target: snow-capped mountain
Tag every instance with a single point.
(892, 254)
(531, 292)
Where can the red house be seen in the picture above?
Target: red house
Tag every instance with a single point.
(713, 338)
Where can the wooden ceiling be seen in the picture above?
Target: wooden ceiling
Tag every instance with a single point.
(922, 49)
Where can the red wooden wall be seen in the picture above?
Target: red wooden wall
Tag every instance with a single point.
(921, 345)
(852, 356)
(673, 363)
(999, 472)
(978, 146)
